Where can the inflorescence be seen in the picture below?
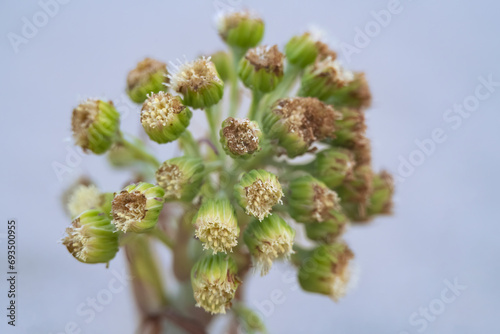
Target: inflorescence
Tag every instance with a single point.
(298, 159)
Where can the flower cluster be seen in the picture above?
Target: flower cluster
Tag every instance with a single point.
(299, 158)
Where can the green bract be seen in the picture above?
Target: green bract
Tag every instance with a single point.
(95, 125)
(92, 238)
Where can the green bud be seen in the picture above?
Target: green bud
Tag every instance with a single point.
(324, 78)
(269, 240)
(164, 117)
(301, 50)
(223, 64)
(198, 82)
(298, 122)
(355, 193)
(214, 282)
(95, 125)
(350, 128)
(355, 94)
(381, 196)
(216, 225)
(240, 138)
(326, 270)
(137, 207)
(311, 201)
(328, 231)
(257, 192)
(149, 77)
(181, 178)
(92, 238)
(262, 68)
(333, 166)
(243, 29)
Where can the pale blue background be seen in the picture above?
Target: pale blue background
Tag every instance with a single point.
(446, 221)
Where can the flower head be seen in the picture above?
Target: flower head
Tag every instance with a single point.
(95, 125)
(328, 231)
(302, 50)
(216, 225)
(92, 238)
(333, 166)
(298, 122)
(214, 282)
(381, 196)
(269, 240)
(198, 82)
(311, 200)
(262, 68)
(180, 178)
(240, 138)
(257, 192)
(148, 77)
(326, 270)
(164, 117)
(355, 193)
(241, 29)
(137, 207)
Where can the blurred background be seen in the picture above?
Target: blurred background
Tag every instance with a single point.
(434, 71)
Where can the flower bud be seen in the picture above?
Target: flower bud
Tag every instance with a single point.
(262, 68)
(181, 178)
(214, 282)
(216, 225)
(328, 231)
(301, 50)
(355, 94)
(137, 207)
(333, 166)
(240, 138)
(311, 200)
(95, 125)
(298, 122)
(250, 320)
(257, 192)
(198, 82)
(326, 270)
(164, 117)
(381, 196)
(223, 64)
(149, 77)
(269, 240)
(92, 238)
(241, 29)
(355, 193)
(323, 78)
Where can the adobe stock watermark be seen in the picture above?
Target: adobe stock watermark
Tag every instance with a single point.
(31, 26)
(365, 34)
(453, 118)
(226, 5)
(425, 315)
(74, 155)
(88, 310)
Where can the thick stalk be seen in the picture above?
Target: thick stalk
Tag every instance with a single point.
(188, 144)
(254, 107)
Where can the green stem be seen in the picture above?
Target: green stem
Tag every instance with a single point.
(234, 101)
(254, 107)
(138, 151)
(214, 129)
(162, 237)
(188, 144)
